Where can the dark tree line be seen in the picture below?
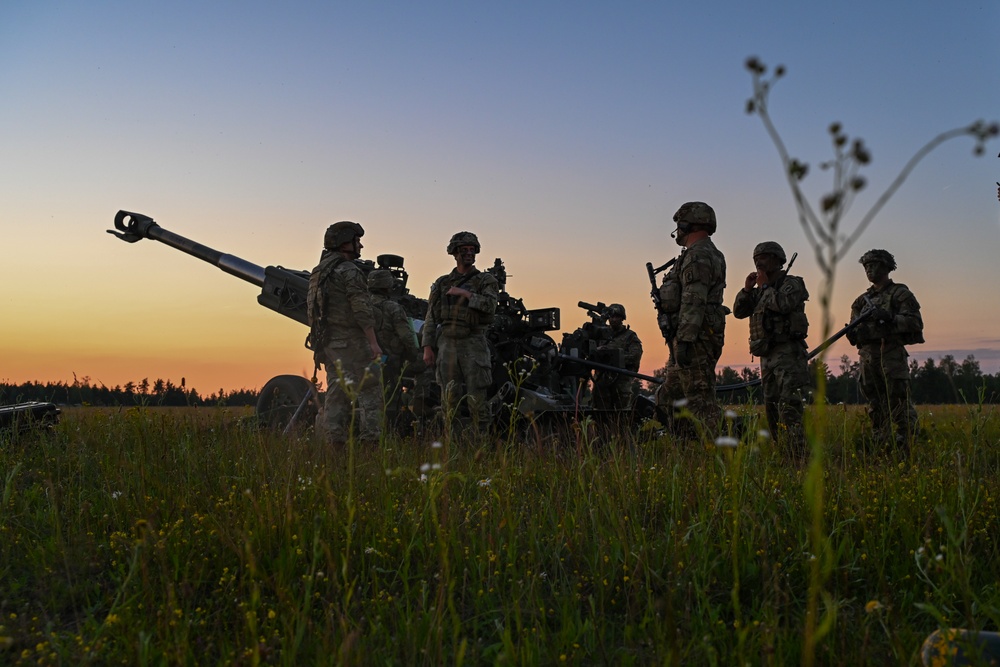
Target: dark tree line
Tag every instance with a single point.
(935, 383)
(159, 393)
(944, 381)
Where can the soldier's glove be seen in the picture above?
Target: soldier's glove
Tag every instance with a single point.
(882, 316)
(683, 351)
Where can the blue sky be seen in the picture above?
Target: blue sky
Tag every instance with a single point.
(564, 134)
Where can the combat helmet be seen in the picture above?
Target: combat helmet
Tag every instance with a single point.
(380, 279)
(615, 309)
(463, 238)
(770, 248)
(883, 257)
(696, 213)
(340, 233)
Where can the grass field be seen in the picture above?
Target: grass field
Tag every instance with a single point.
(159, 536)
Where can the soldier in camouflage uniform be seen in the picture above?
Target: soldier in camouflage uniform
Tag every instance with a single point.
(775, 302)
(398, 342)
(460, 309)
(614, 391)
(343, 338)
(693, 320)
(885, 375)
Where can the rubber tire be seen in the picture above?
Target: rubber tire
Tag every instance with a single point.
(279, 399)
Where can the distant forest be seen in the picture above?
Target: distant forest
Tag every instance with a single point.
(944, 381)
(159, 392)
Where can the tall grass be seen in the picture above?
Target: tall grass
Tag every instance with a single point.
(149, 536)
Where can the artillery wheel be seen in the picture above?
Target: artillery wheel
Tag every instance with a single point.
(281, 397)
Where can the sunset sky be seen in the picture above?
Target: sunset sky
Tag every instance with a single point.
(565, 134)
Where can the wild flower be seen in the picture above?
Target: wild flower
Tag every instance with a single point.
(730, 414)
(873, 606)
(726, 441)
(764, 433)
(436, 444)
(680, 402)
(484, 483)
(424, 467)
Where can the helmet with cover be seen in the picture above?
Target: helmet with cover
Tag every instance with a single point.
(615, 310)
(340, 233)
(380, 280)
(695, 213)
(883, 257)
(770, 248)
(463, 238)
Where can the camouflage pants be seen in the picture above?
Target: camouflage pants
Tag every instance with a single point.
(465, 371)
(353, 394)
(691, 389)
(618, 394)
(784, 378)
(885, 383)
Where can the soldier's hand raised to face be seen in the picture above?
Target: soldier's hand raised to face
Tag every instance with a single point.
(751, 280)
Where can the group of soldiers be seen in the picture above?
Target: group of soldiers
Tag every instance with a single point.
(364, 339)
(885, 319)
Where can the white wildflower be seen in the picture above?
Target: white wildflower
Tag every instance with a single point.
(115, 495)
(485, 482)
(424, 467)
(726, 441)
(731, 414)
(680, 402)
(764, 433)
(436, 444)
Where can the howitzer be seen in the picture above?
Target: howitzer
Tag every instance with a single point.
(527, 375)
(596, 365)
(22, 417)
(284, 400)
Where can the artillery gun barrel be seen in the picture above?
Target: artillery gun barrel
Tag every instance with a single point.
(134, 226)
(608, 367)
(282, 290)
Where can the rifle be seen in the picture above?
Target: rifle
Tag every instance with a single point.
(867, 312)
(662, 319)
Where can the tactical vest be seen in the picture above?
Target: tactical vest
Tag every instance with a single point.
(316, 301)
(386, 334)
(768, 327)
(453, 314)
(888, 299)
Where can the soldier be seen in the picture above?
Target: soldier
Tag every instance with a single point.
(880, 339)
(775, 302)
(459, 311)
(614, 391)
(343, 338)
(693, 319)
(397, 340)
